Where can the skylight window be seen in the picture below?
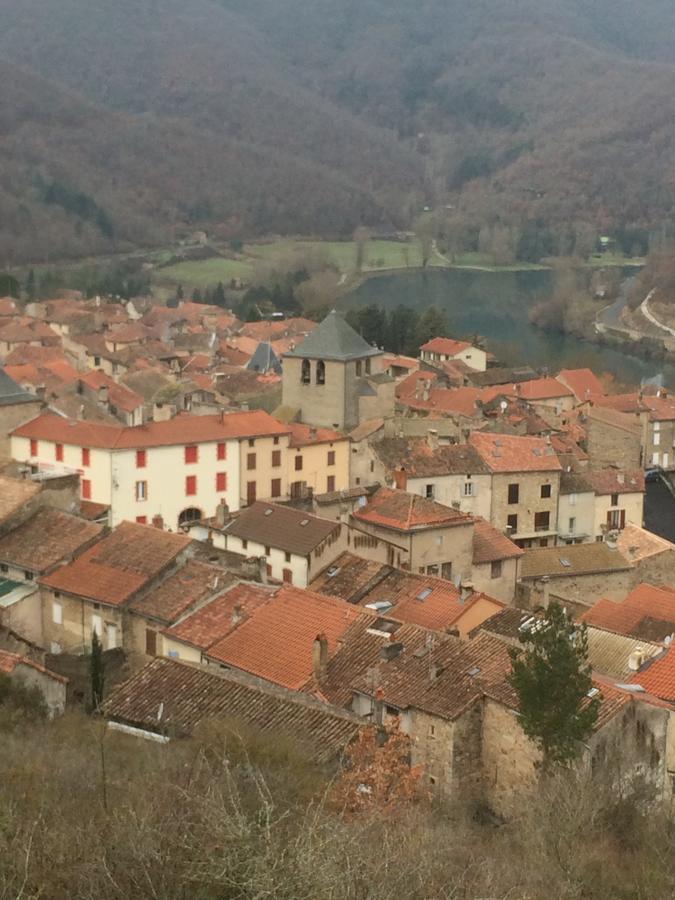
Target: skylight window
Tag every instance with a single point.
(565, 562)
(473, 671)
(304, 523)
(268, 512)
(423, 594)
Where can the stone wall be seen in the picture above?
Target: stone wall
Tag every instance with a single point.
(11, 416)
(508, 759)
(582, 590)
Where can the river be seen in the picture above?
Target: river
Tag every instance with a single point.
(496, 305)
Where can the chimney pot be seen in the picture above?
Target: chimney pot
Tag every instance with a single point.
(158, 522)
(222, 513)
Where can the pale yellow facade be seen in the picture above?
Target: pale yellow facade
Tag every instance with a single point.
(319, 468)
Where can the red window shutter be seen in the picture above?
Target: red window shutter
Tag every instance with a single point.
(142, 520)
(222, 451)
(191, 454)
(140, 459)
(86, 489)
(85, 456)
(191, 485)
(59, 452)
(221, 481)
(34, 448)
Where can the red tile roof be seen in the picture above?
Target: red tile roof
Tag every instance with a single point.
(508, 453)
(446, 346)
(491, 545)
(46, 539)
(536, 389)
(648, 611)
(276, 643)
(614, 481)
(402, 511)
(119, 395)
(9, 661)
(173, 596)
(214, 621)
(657, 676)
(304, 435)
(583, 382)
(117, 567)
(181, 429)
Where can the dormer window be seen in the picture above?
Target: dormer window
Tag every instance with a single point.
(321, 372)
(305, 372)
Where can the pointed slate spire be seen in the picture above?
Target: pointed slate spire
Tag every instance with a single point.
(334, 339)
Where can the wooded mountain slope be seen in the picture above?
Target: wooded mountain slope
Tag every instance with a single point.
(123, 120)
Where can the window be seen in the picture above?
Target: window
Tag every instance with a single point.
(542, 521)
(59, 452)
(251, 442)
(221, 482)
(367, 367)
(657, 438)
(141, 459)
(616, 518)
(514, 493)
(28, 576)
(150, 642)
(512, 523)
(545, 491)
(190, 485)
(34, 448)
(250, 461)
(141, 520)
(305, 372)
(468, 489)
(251, 493)
(321, 372)
(276, 487)
(268, 550)
(221, 451)
(573, 499)
(446, 570)
(432, 570)
(298, 463)
(429, 491)
(86, 489)
(141, 490)
(57, 613)
(331, 457)
(330, 484)
(191, 454)
(85, 457)
(359, 368)
(432, 731)
(614, 500)
(97, 360)
(4, 567)
(97, 625)
(276, 459)
(496, 568)
(244, 544)
(657, 426)
(571, 525)
(287, 576)
(287, 557)
(655, 459)
(276, 441)
(111, 628)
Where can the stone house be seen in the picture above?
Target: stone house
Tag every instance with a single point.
(34, 675)
(17, 406)
(596, 501)
(613, 438)
(525, 486)
(335, 379)
(496, 559)
(652, 557)
(416, 534)
(92, 593)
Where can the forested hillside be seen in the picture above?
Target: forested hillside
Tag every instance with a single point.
(122, 121)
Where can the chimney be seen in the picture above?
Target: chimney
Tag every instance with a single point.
(546, 589)
(636, 659)
(222, 513)
(40, 392)
(158, 522)
(391, 651)
(320, 657)
(378, 711)
(432, 438)
(312, 433)
(434, 671)
(611, 539)
(103, 394)
(401, 479)
(237, 615)
(465, 591)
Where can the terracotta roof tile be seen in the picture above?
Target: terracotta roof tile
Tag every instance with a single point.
(508, 453)
(306, 435)
(188, 695)
(9, 661)
(217, 618)
(172, 597)
(402, 511)
(648, 611)
(283, 527)
(637, 543)
(14, 494)
(46, 539)
(657, 675)
(490, 544)
(583, 382)
(446, 346)
(276, 642)
(117, 567)
(182, 429)
(568, 561)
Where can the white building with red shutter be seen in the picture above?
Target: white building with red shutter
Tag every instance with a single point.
(180, 469)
